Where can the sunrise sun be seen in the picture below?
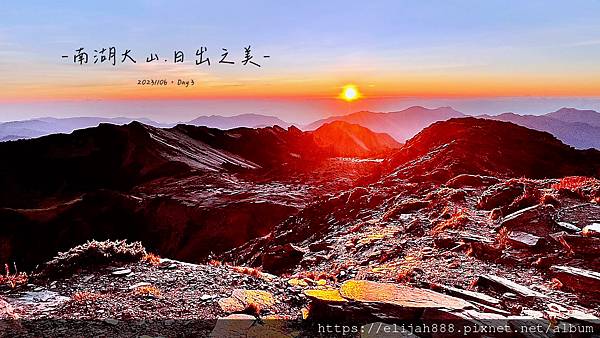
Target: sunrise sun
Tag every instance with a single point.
(350, 93)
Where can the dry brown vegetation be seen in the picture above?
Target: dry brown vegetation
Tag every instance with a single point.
(85, 296)
(147, 291)
(247, 271)
(13, 279)
(151, 259)
(92, 253)
(456, 219)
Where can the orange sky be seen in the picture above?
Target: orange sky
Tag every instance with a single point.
(386, 48)
(441, 85)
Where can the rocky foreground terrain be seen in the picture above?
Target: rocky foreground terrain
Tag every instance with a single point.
(486, 226)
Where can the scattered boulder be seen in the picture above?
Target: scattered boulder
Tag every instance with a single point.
(230, 305)
(496, 213)
(361, 300)
(444, 241)
(398, 295)
(467, 295)
(205, 298)
(247, 300)
(566, 226)
(507, 285)
(484, 250)
(580, 214)
(477, 321)
(470, 238)
(537, 220)
(591, 230)
(243, 325)
(282, 258)
(121, 272)
(500, 195)
(330, 305)
(568, 313)
(577, 279)
(518, 239)
(404, 207)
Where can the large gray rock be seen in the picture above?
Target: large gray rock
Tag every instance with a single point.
(499, 195)
(362, 300)
(537, 220)
(518, 239)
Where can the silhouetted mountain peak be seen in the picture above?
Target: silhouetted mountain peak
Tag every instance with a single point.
(352, 139)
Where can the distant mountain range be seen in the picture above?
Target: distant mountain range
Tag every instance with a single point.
(575, 127)
(590, 117)
(25, 129)
(32, 128)
(577, 134)
(243, 120)
(578, 128)
(401, 125)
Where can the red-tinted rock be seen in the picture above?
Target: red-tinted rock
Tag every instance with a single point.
(466, 180)
(588, 246)
(467, 295)
(403, 207)
(537, 220)
(281, 258)
(6, 311)
(577, 279)
(486, 251)
(508, 285)
(500, 195)
(518, 239)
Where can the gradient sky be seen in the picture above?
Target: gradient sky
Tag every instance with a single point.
(411, 51)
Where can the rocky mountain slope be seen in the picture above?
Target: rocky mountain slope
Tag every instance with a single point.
(185, 191)
(480, 146)
(472, 222)
(351, 140)
(575, 127)
(440, 216)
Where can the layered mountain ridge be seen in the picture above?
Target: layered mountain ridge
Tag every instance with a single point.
(470, 219)
(195, 185)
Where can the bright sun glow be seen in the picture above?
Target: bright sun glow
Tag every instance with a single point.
(350, 93)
